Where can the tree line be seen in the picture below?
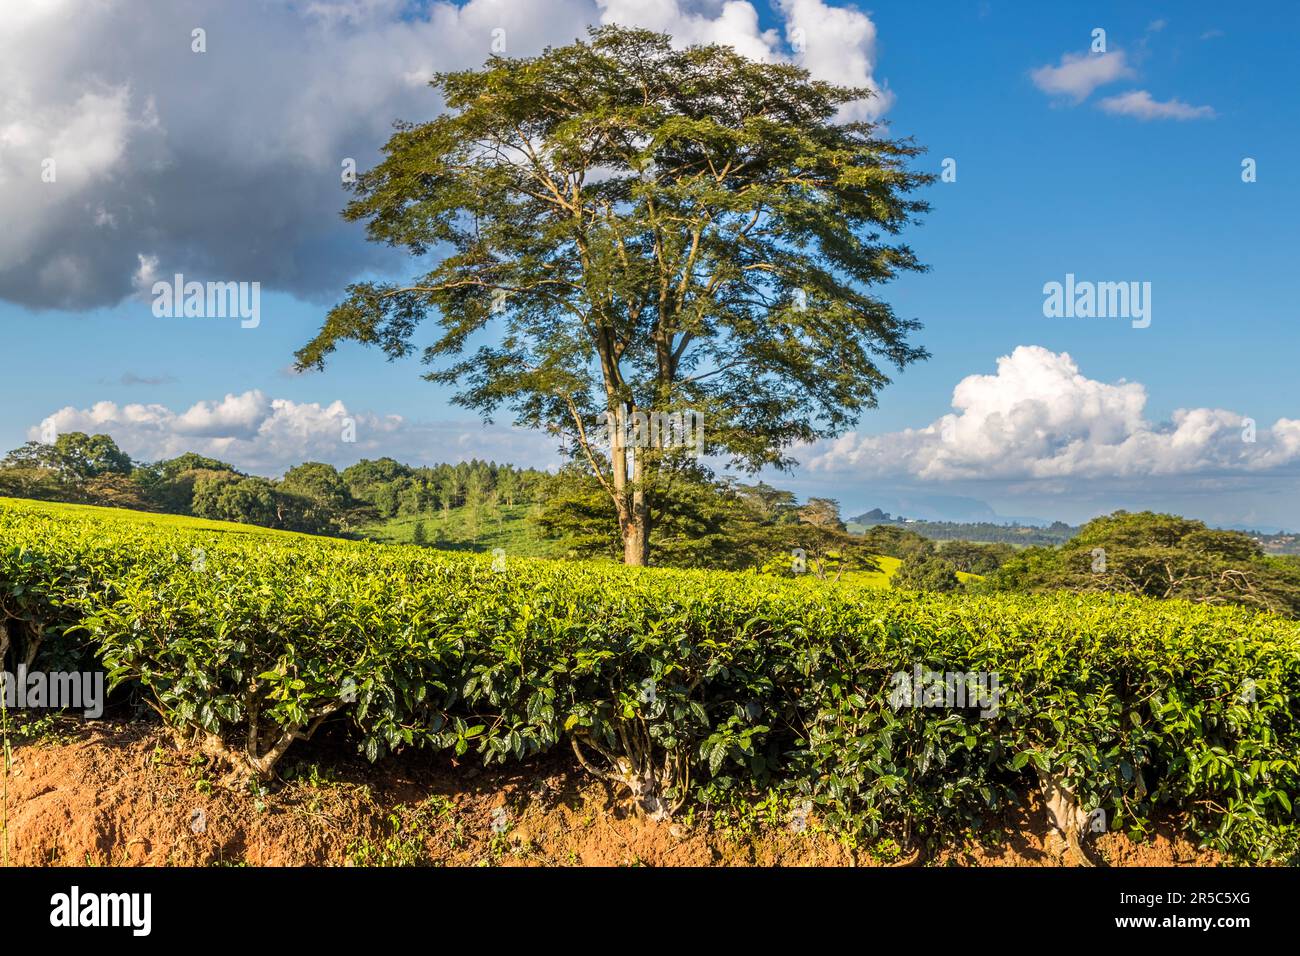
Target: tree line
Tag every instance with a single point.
(700, 520)
(312, 497)
(1058, 532)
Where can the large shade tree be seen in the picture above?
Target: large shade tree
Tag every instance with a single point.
(74, 456)
(655, 231)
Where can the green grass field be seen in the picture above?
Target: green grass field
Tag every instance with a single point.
(888, 566)
(875, 579)
(461, 530)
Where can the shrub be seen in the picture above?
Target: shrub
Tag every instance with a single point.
(918, 573)
(975, 558)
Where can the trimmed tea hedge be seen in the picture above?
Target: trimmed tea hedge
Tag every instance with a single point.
(665, 680)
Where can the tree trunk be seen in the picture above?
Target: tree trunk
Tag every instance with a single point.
(636, 536)
(636, 524)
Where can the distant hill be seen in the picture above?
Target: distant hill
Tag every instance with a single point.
(1022, 535)
(954, 508)
(1025, 534)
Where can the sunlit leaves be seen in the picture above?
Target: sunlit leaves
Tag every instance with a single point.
(1138, 705)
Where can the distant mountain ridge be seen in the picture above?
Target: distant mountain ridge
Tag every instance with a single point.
(1001, 530)
(955, 508)
(1016, 531)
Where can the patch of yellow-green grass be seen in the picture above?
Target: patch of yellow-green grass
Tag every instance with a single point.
(874, 579)
(888, 568)
(466, 529)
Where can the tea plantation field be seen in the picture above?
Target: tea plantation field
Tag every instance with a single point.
(668, 683)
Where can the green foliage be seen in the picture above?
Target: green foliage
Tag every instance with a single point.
(406, 829)
(312, 497)
(509, 528)
(169, 485)
(727, 680)
(1162, 556)
(74, 456)
(696, 230)
(29, 481)
(976, 558)
(918, 573)
(170, 469)
(1014, 534)
(699, 522)
(225, 496)
(694, 521)
(319, 483)
(75, 467)
(897, 542)
(378, 481)
(392, 489)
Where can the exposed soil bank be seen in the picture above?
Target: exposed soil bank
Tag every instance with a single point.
(123, 794)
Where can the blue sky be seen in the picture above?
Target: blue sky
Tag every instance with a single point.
(228, 161)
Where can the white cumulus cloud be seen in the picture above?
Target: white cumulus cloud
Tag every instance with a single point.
(1141, 105)
(267, 435)
(833, 43)
(1040, 417)
(1078, 74)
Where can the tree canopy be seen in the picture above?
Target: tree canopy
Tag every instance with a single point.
(1159, 555)
(74, 456)
(653, 232)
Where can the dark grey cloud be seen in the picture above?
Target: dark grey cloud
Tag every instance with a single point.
(222, 165)
(225, 165)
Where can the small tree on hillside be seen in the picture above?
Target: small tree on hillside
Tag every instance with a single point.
(74, 456)
(925, 573)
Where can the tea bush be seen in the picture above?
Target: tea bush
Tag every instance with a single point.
(671, 681)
